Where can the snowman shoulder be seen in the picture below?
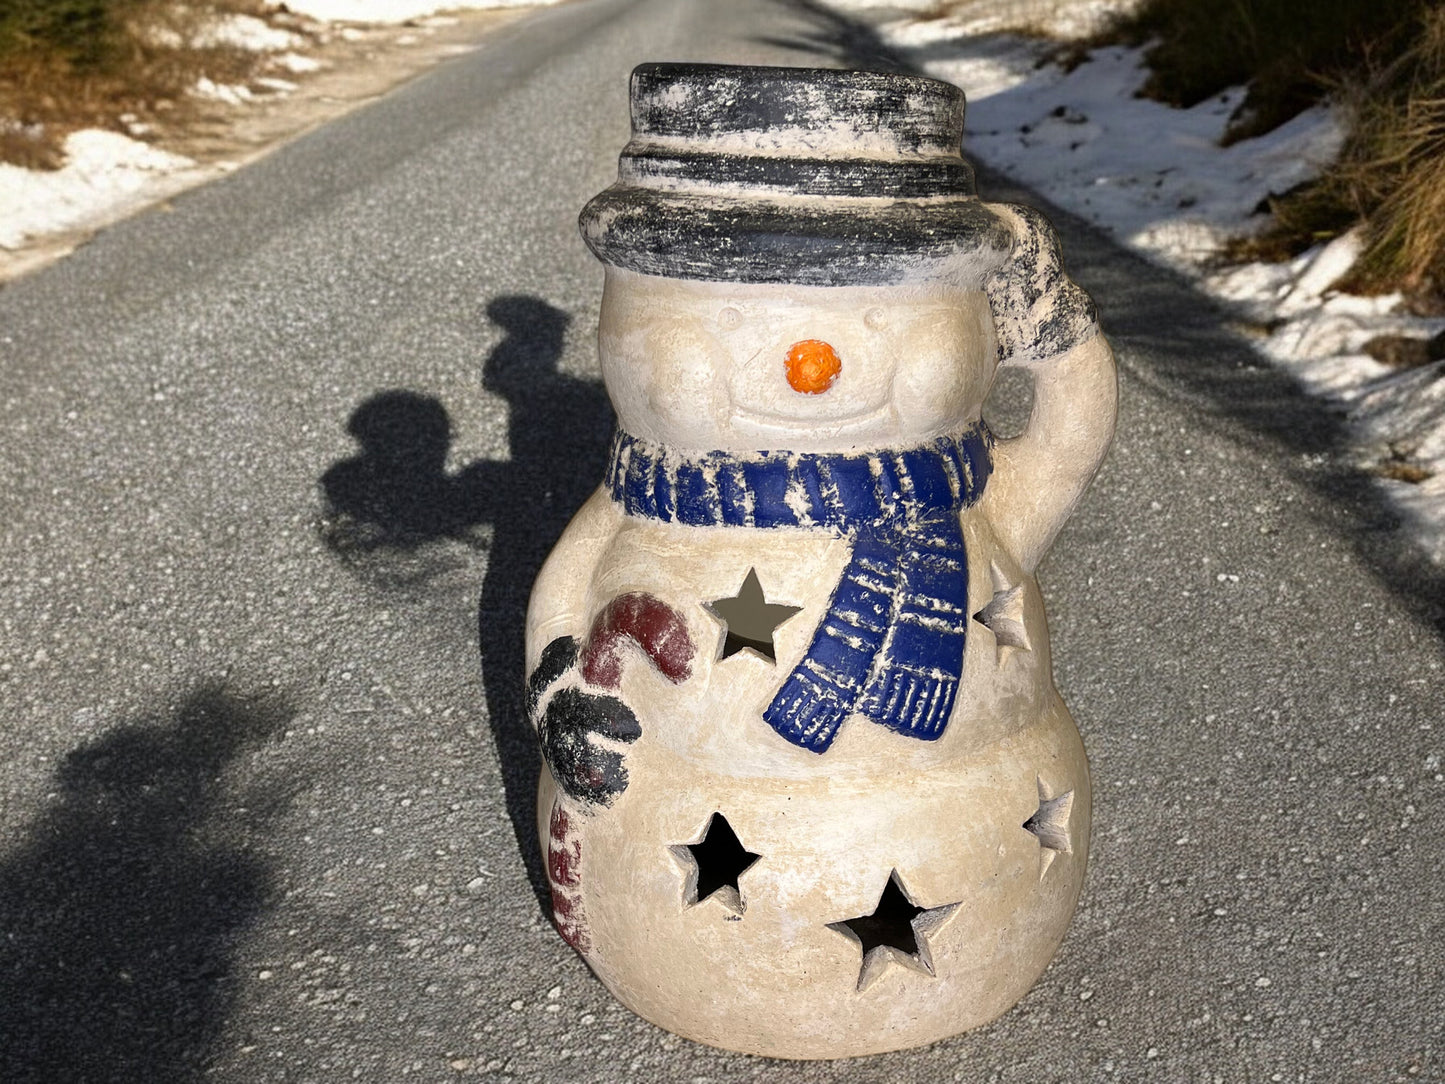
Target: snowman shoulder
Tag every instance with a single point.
(1038, 311)
(558, 604)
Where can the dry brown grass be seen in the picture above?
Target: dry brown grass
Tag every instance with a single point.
(1401, 469)
(1405, 351)
(1383, 61)
(1394, 169)
(129, 63)
(1288, 53)
(1389, 178)
(30, 146)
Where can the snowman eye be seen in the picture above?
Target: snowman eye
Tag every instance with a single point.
(875, 319)
(729, 318)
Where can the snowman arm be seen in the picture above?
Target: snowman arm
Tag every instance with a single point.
(1048, 326)
(1040, 475)
(559, 597)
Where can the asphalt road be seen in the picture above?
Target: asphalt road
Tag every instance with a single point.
(265, 814)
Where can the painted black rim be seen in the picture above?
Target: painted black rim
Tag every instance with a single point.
(813, 176)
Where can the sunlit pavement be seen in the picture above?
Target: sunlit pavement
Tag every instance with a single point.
(267, 793)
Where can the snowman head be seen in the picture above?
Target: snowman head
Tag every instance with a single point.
(699, 365)
(796, 258)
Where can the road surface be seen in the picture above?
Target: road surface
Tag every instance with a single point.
(265, 808)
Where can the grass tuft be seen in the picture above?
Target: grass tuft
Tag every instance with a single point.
(26, 145)
(1393, 168)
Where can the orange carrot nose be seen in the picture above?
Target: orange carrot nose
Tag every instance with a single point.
(813, 365)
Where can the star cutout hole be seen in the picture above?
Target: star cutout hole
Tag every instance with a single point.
(714, 863)
(1050, 824)
(897, 930)
(749, 619)
(1004, 614)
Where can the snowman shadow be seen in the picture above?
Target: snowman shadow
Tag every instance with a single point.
(395, 497)
(396, 517)
(559, 432)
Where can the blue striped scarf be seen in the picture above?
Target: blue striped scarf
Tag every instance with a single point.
(890, 646)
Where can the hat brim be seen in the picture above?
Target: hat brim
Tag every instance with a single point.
(810, 242)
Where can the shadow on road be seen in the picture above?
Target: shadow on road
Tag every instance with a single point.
(396, 494)
(120, 917)
(558, 435)
(392, 505)
(388, 504)
(830, 35)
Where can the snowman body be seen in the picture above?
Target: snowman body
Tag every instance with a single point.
(809, 790)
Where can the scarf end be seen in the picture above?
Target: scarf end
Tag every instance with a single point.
(806, 716)
(918, 705)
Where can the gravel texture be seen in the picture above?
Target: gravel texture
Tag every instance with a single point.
(266, 812)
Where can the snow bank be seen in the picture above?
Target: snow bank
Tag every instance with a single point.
(246, 32)
(105, 175)
(394, 11)
(1153, 176)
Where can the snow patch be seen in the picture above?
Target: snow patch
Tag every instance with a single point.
(1153, 176)
(395, 11)
(230, 93)
(246, 32)
(105, 174)
(230, 31)
(296, 63)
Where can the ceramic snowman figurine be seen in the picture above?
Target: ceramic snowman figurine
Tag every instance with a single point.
(809, 790)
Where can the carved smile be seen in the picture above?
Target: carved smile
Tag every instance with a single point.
(770, 421)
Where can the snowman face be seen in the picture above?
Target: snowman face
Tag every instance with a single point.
(702, 366)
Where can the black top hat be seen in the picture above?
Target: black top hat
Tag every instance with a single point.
(802, 175)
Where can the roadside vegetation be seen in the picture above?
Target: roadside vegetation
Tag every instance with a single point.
(127, 65)
(1383, 61)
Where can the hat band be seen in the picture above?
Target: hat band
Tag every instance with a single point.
(862, 177)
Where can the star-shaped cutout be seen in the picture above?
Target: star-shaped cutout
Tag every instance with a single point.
(1004, 614)
(714, 863)
(750, 619)
(898, 930)
(1050, 823)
